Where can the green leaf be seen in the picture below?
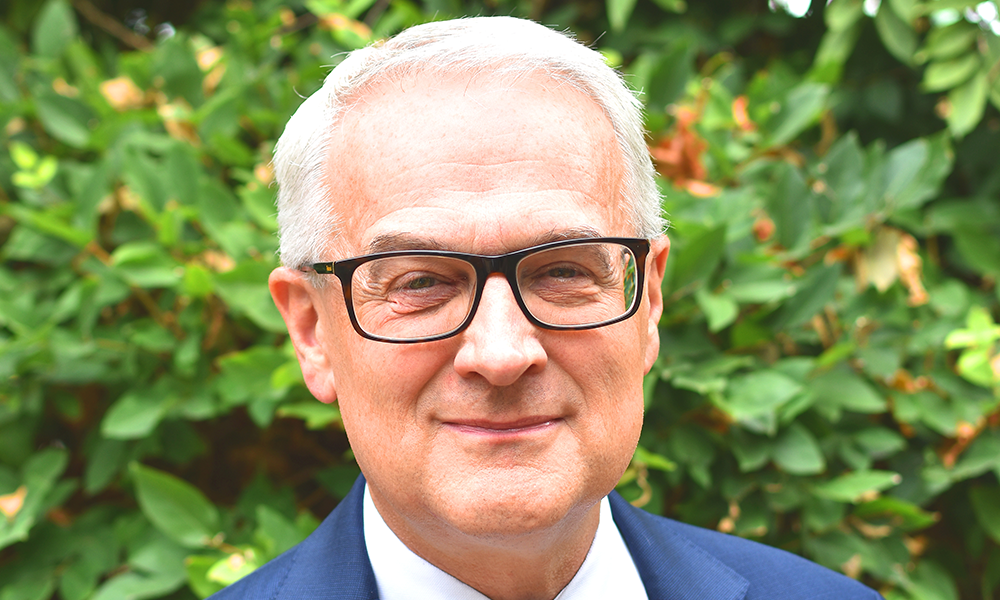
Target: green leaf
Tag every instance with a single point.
(814, 292)
(176, 64)
(904, 9)
(175, 507)
(844, 389)
(931, 581)
(699, 257)
(759, 393)
(146, 264)
(800, 109)
(898, 36)
(674, 6)
(906, 515)
(752, 451)
(948, 42)
(197, 573)
(761, 292)
(903, 164)
(880, 442)
(653, 460)
(36, 585)
(619, 12)
(138, 586)
(796, 451)
(982, 456)
(39, 475)
(247, 375)
(197, 281)
(946, 74)
(65, 119)
(316, 414)
(986, 505)
(852, 487)
(980, 330)
(843, 14)
(105, 461)
(968, 102)
(234, 567)
(161, 556)
(720, 309)
(135, 415)
(23, 156)
(245, 290)
(790, 205)
(54, 29)
(834, 49)
(47, 223)
(274, 532)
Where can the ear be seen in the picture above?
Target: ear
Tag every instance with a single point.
(300, 305)
(657, 262)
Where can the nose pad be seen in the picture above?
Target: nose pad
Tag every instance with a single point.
(500, 343)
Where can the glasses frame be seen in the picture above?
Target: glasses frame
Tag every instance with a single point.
(486, 265)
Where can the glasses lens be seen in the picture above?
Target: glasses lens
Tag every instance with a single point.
(410, 297)
(582, 284)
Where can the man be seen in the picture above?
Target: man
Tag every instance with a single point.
(473, 256)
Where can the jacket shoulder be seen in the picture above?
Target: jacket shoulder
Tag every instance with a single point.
(680, 554)
(775, 573)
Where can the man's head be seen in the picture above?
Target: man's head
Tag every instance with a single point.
(505, 433)
(499, 46)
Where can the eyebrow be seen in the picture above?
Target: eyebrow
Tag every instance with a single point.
(388, 242)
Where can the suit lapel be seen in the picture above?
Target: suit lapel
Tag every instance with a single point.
(670, 565)
(332, 563)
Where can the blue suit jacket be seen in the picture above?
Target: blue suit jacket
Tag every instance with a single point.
(674, 560)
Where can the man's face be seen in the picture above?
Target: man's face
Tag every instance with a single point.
(504, 429)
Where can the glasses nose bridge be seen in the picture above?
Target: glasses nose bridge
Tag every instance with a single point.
(506, 265)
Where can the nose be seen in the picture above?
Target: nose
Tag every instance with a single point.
(500, 344)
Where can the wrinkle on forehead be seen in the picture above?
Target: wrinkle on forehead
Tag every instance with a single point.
(393, 241)
(438, 141)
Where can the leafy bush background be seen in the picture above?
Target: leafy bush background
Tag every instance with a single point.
(829, 375)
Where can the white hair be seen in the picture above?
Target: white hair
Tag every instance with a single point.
(307, 220)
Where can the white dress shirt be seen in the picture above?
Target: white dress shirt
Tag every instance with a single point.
(607, 572)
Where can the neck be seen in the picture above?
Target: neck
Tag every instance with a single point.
(534, 565)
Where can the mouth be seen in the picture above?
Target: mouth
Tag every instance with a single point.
(511, 428)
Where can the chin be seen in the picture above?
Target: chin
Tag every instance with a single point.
(510, 505)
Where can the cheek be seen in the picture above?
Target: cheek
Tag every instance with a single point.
(380, 387)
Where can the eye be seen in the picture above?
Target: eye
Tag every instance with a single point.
(562, 272)
(420, 283)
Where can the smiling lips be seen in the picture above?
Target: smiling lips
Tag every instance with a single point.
(504, 428)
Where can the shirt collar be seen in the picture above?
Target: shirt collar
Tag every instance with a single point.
(607, 572)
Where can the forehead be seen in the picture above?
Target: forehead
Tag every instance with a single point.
(476, 162)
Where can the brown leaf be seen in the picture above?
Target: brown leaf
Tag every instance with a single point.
(852, 568)
(740, 114)
(11, 504)
(911, 270)
(701, 189)
(876, 265)
(678, 154)
(264, 172)
(336, 22)
(122, 94)
(763, 227)
(64, 89)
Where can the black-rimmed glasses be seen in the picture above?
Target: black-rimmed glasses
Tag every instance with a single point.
(411, 296)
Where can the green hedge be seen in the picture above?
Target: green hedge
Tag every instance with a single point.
(828, 380)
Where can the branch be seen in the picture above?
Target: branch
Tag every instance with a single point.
(110, 25)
